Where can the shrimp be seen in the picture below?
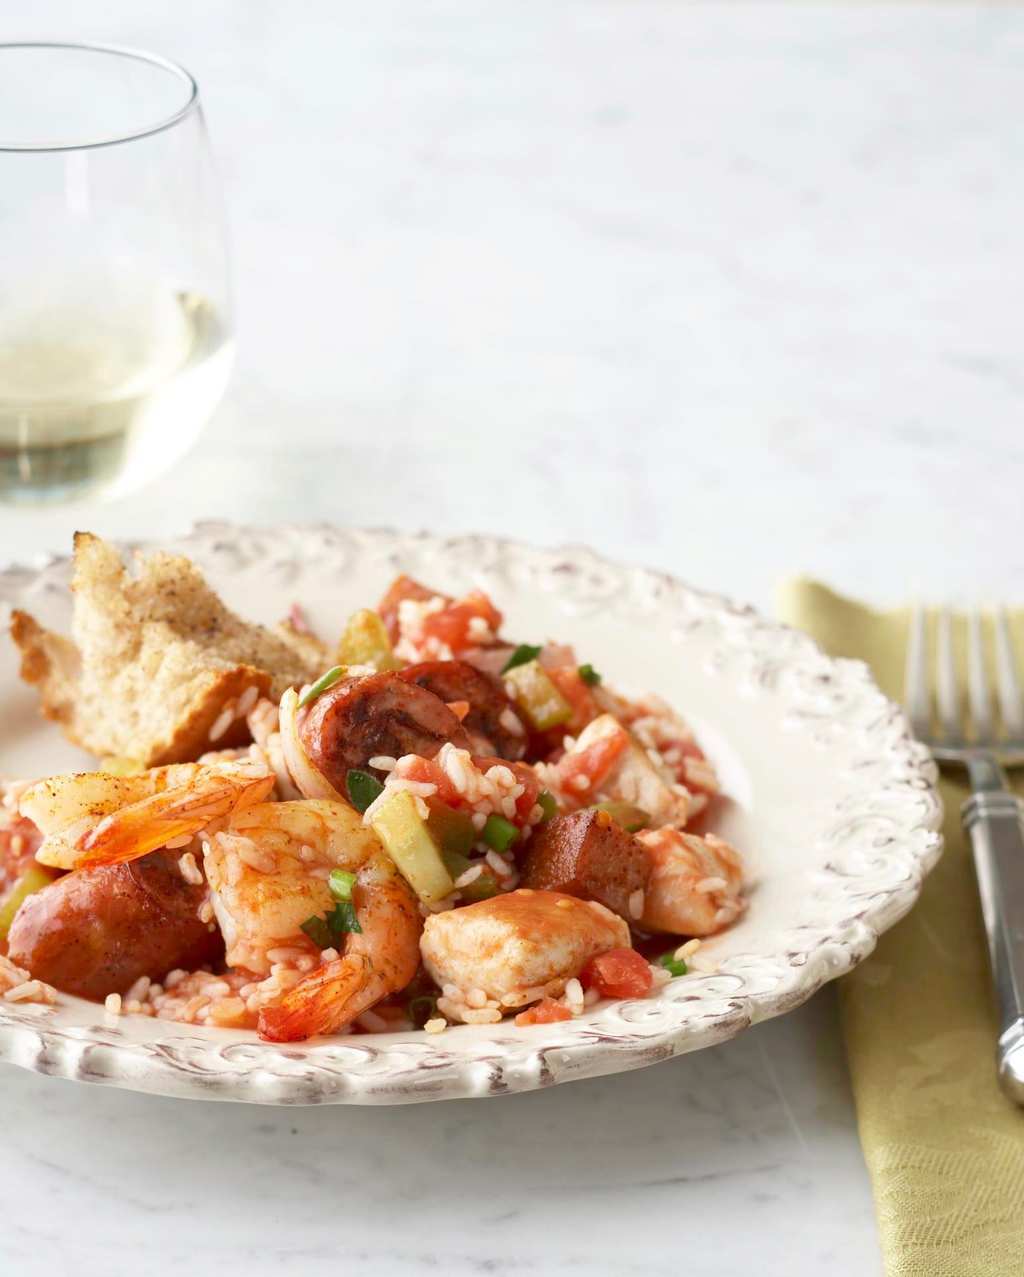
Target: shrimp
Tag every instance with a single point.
(695, 884)
(268, 873)
(98, 819)
(378, 961)
(492, 957)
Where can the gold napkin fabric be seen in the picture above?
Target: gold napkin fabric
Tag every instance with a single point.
(943, 1146)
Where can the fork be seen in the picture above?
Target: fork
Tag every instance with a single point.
(993, 817)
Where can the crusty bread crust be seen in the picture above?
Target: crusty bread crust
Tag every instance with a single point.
(154, 661)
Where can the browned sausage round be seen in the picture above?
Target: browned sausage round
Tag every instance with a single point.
(95, 931)
(488, 720)
(588, 854)
(360, 718)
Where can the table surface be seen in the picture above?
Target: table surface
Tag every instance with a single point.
(732, 290)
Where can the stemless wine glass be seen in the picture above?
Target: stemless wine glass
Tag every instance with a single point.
(115, 332)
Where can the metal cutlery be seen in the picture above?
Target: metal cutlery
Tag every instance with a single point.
(985, 741)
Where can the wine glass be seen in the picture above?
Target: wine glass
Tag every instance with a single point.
(115, 330)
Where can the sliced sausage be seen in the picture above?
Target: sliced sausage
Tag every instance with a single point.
(360, 718)
(401, 588)
(588, 854)
(95, 931)
(492, 722)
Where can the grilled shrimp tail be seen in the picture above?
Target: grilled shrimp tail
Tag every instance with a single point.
(152, 822)
(318, 1004)
(380, 959)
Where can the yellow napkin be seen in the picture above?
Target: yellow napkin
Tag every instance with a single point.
(944, 1148)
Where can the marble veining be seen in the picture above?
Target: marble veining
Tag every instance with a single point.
(684, 1163)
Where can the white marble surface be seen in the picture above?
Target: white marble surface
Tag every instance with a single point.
(729, 289)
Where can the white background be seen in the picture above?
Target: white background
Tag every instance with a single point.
(733, 290)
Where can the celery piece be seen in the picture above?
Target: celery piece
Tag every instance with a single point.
(541, 703)
(365, 641)
(410, 844)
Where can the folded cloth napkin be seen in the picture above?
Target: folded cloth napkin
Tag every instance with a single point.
(944, 1148)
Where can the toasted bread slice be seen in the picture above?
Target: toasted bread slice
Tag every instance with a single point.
(157, 660)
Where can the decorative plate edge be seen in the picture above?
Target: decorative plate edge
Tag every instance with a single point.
(883, 847)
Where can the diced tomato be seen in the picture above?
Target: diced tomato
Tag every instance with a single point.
(526, 777)
(592, 763)
(584, 707)
(619, 973)
(401, 588)
(453, 624)
(546, 1011)
(429, 772)
(527, 800)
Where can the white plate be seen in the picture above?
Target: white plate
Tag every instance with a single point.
(832, 803)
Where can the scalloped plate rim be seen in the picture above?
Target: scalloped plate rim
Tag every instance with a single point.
(480, 1061)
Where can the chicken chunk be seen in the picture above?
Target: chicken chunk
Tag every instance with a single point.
(516, 948)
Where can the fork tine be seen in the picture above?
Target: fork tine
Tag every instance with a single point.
(978, 694)
(1011, 705)
(915, 676)
(946, 689)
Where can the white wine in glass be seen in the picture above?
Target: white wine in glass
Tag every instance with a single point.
(115, 330)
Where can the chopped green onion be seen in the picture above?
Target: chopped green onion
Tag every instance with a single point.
(523, 654)
(673, 965)
(326, 932)
(319, 932)
(499, 833)
(321, 685)
(342, 919)
(422, 1009)
(589, 675)
(340, 883)
(363, 789)
(546, 802)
